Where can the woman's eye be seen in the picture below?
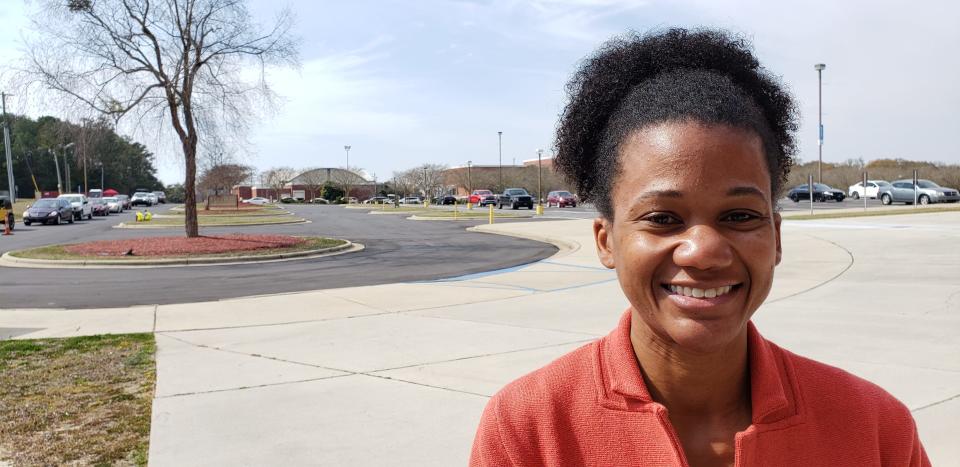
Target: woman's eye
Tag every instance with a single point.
(740, 217)
(661, 219)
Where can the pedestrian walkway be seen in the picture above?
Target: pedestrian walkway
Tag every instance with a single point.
(398, 374)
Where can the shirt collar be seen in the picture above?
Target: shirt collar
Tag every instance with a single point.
(771, 391)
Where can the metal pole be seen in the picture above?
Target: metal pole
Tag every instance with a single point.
(6, 146)
(539, 176)
(56, 164)
(101, 177)
(347, 194)
(810, 191)
(865, 190)
(469, 180)
(500, 146)
(66, 170)
(914, 188)
(819, 67)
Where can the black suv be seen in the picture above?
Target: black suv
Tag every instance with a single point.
(515, 198)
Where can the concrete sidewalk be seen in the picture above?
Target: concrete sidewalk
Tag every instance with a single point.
(399, 374)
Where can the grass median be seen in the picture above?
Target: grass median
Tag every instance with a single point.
(77, 401)
(61, 253)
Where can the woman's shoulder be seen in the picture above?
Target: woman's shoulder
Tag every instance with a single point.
(826, 389)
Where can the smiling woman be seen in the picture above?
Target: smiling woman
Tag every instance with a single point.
(683, 142)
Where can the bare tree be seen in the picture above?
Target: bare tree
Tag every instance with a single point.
(223, 177)
(405, 182)
(430, 179)
(346, 178)
(313, 181)
(278, 177)
(174, 61)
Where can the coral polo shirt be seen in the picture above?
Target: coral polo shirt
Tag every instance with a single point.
(591, 407)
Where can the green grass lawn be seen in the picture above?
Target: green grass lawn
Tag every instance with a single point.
(59, 253)
(77, 401)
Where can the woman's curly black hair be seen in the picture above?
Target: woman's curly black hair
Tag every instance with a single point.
(633, 81)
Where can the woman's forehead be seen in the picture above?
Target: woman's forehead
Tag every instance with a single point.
(681, 156)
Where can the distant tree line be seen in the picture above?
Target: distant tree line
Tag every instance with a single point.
(82, 149)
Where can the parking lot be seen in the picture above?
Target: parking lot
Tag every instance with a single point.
(275, 378)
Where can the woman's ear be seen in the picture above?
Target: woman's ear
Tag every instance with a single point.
(776, 222)
(603, 236)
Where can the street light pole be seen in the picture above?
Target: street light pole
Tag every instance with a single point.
(469, 179)
(56, 165)
(6, 146)
(819, 67)
(347, 195)
(500, 164)
(539, 177)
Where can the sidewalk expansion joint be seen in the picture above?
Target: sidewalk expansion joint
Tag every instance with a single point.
(388, 378)
(256, 386)
(934, 404)
(284, 323)
(509, 325)
(471, 357)
(837, 276)
(254, 355)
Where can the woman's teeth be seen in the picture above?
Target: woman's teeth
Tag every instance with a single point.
(700, 293)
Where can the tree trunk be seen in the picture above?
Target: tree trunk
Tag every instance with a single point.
(190, 185)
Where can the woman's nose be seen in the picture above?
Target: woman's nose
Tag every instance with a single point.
(703, 247)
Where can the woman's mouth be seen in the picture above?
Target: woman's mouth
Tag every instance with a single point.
(697, 297)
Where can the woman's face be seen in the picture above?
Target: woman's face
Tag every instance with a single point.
(694, 238)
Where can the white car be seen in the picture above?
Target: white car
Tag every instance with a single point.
(113, 204)
(873, 186)
(411, 200)
(154, 198)
(81, 205)
(257, 200)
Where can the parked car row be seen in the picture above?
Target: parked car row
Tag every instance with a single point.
(900, 191)
(71, 207)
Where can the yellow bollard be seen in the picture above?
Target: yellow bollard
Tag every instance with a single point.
(469, 205)
(491, 213)
(539, 209)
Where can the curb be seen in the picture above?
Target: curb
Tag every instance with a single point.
(475, 218)
(7, 260)
(124, 225)
(566, 247)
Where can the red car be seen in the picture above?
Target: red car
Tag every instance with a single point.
(483, 197)
(561, 199)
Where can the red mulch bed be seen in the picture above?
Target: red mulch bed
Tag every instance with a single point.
(180, 246)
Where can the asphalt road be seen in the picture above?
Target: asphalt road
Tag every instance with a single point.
(397, 250)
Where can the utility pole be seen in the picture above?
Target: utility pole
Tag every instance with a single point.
(820, 67)
(500, 145)
(6, 146)
(57, 165)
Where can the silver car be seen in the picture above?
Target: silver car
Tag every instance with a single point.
(926, 192)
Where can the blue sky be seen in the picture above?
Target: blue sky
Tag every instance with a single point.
(406, 83)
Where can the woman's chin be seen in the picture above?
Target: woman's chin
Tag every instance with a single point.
(704, 336)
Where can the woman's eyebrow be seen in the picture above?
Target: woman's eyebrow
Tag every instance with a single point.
(659, 194)
(745, 191)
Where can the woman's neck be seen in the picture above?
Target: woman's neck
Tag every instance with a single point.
(705, 385)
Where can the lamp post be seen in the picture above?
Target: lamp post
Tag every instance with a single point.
(56, 165)
(347, 195)
(469, 179)
(66, 167)
(819, 67)
(6, 146)
(539, 177)
(500, 163)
